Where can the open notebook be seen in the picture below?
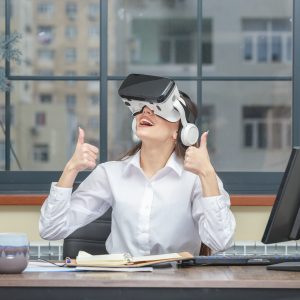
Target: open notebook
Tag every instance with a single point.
(125, 260)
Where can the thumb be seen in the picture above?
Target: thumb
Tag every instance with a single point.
(80, 136)
(203, 140)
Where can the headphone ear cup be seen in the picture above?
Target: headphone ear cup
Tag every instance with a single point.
(133, 126)
(189, 134)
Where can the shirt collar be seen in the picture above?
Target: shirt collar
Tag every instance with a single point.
(174, 163)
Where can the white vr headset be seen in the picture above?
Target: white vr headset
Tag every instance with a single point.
(162, 96)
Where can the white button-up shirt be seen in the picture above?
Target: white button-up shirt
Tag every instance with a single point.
(163, 214)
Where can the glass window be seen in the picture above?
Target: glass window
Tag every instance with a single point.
(145, 41)
(45, 8)
(45, 37)
(40, 118)
(71, 10)
(45, 34)
(246, 43)
(251, 125)
(71, 32)
(64, 108)
(93, 11)
(70, 55)
(46, 54)
(71, 102)
(41, 152)
(45, 98)
(271, 40)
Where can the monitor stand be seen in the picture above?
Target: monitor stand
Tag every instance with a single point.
(293, 266)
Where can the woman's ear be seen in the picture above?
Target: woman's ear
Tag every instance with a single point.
(174, 136)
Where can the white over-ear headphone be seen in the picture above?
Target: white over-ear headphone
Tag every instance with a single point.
(189, 132)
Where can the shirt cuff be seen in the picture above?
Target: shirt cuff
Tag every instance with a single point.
(59, 193)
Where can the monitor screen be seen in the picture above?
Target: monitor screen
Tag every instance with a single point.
(284, 221)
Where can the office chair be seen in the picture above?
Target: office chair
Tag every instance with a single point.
(90, 238)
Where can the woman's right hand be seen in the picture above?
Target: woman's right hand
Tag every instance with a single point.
(84, 156)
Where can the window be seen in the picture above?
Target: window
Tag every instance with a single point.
(93, 11)
(45, 8)
(266, 127)
(45, 34)
(93, 55)
(71, 102)
(71, 32)
(267, 40)
(93, 31)
(2, 154)
(70, 55)
(41, 153)
(245, 62)
(93, 101)
(40, 118)
(71, 10)
(45, 98)
(46, 54)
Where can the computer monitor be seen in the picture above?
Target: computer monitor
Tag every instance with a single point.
(284, 221)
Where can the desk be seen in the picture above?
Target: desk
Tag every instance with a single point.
(234, 283)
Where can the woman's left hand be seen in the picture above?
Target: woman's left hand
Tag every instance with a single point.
(197, 159)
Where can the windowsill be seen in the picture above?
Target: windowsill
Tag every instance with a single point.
(38, 199)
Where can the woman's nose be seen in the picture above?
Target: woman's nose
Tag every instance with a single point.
(147, 110)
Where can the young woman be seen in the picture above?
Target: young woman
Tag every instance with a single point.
(165, 197)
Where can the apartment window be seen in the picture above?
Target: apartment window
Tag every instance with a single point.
(93, 11)
(45, 98)
(71, 102)
(71, 10)
(40, 119)
(41, 152)
(71, 32)
(45, 34)
(46, 54)
(267, 40)
(266, 127)
(94, 31)
(45, 8)
(70, 55)
(93, 55)
(2, 153)
(94, 100)
(176, 41)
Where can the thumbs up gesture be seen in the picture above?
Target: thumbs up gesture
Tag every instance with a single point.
(85, 155)
(197, 159)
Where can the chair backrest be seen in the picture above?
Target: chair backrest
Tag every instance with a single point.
(90, 238)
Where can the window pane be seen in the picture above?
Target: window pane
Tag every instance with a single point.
(249, 43)
(155, 36)
(44, 128)
(120, 136)
(56, 36)
(251, 125)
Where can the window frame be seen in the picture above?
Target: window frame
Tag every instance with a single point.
(248, 183)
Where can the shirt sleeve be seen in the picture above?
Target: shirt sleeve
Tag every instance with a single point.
(63, 211)
(216, 222)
